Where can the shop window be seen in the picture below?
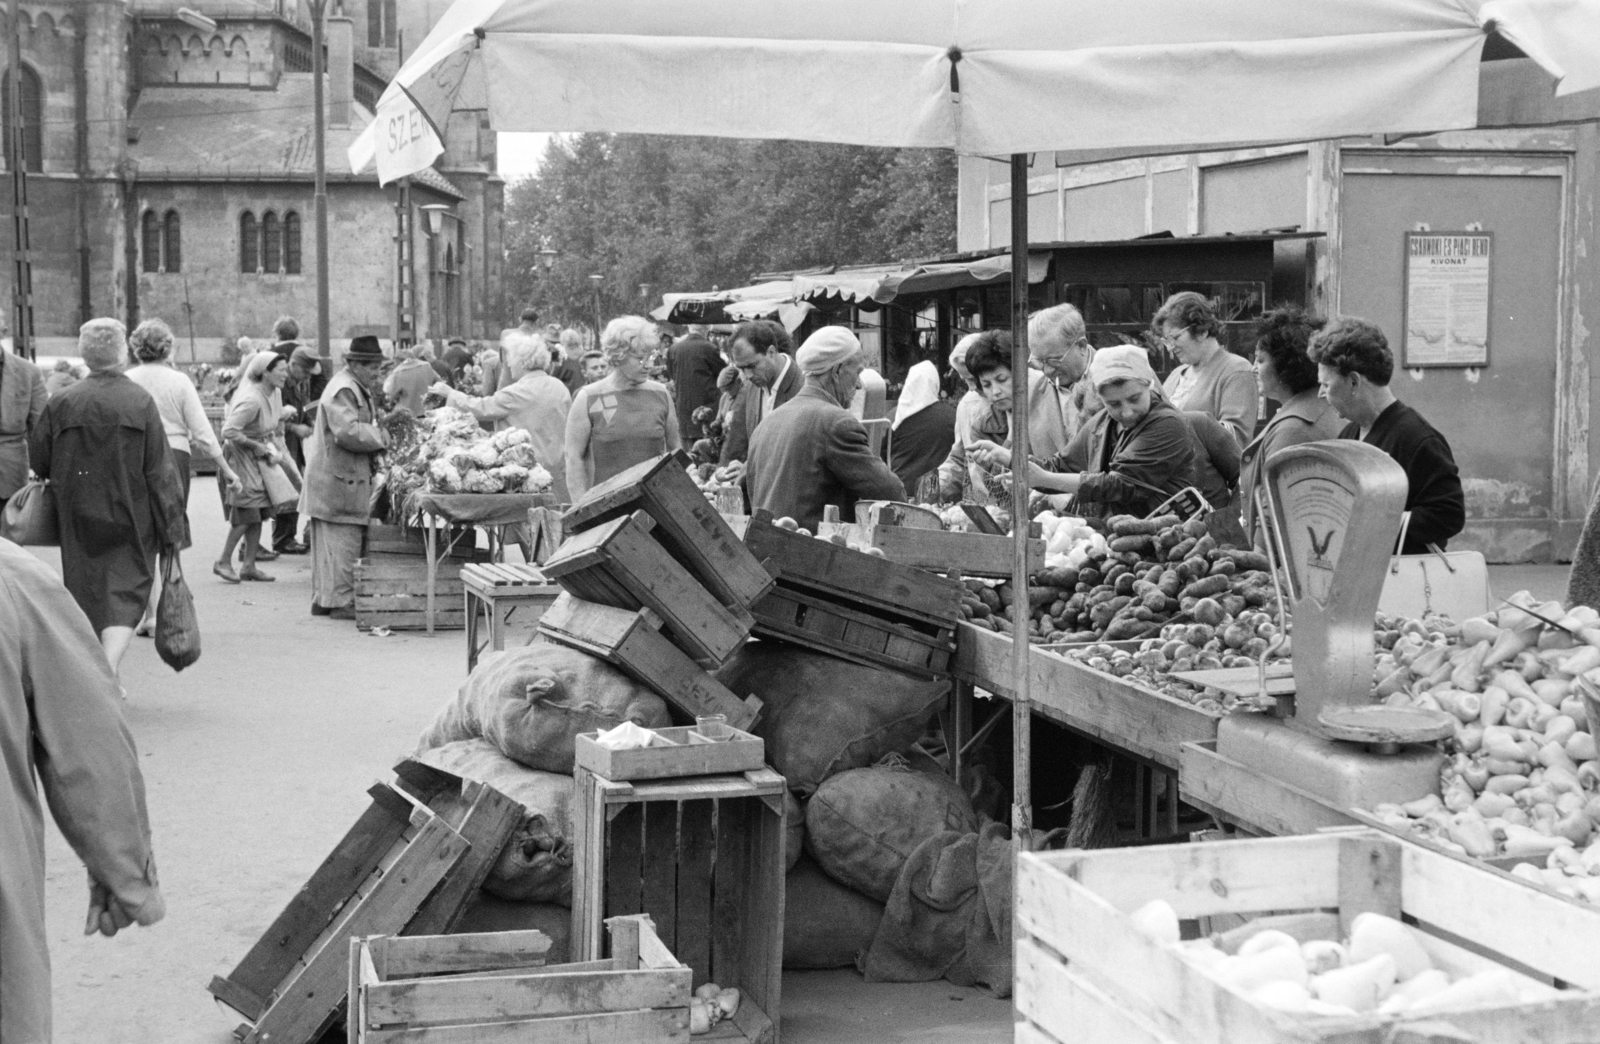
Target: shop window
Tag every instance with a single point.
(171, 242)
(271, 243)
(291, 243)
(150, 241)
(249, 244)
(32, 119)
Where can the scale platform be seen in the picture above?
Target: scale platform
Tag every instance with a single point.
(1245, 682)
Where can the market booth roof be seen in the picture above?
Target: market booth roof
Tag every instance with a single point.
(883, 283)
(984, 77)
(765, 300)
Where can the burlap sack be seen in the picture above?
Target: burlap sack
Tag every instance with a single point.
(862, 825)
(822, 715)
(825, 924)
(535, 866)
(532, 702)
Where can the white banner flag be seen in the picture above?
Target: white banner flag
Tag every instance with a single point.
(404, 139)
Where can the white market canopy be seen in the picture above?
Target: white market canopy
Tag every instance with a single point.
(983, 77)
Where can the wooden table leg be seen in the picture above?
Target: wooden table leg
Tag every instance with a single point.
(472, 629)
(497, 627)
(958, 730)
(430, 547)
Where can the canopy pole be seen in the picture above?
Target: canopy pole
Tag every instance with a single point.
(1021, 711)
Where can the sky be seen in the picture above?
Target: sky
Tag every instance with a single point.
(519, 154)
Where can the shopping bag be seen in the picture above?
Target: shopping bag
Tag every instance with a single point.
(1453, 583)
(281, 492)
(177, 627)
(30, 516)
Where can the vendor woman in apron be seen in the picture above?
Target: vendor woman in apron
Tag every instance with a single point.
(622, 419)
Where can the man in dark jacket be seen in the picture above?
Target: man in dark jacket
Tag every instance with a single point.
(812, 452)
(693, 363)
(764, 356)
(1354, 365)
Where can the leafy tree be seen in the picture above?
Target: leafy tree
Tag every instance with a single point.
(688, 214)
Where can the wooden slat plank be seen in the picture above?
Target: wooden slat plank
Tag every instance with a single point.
(692, 789)
(661, 869)
(1065, 1008)
(589, 844)
(411, 621)
(696, 849)
(732, 825)
(684, 753)
(309, 1000)
(434, 1002)
(411, 957)
(1244, 797)
(624, 865)
(623, 638)
(663, 1025)
(486, 823)
(974, 554)
(858, 578)
(1369, 879)
(761, 957)
(1245, 681)
(313, 907)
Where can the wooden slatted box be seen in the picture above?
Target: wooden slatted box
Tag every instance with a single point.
(494, 987)
(632, 640)
(1085, 974)
(704, 858)
(687, 525)
(392, 592)
(407, 864)
(618, 563)
(854, 605)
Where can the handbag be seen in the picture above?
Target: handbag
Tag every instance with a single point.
(1454, 583)
(177, 627)
(30, 516)
(281, 493)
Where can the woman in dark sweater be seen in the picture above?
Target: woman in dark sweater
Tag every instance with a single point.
(924, 427)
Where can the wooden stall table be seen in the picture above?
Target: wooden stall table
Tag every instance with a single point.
(458, 513)
(495, 590)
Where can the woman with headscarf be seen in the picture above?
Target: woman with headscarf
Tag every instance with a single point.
(119, 504)
(254, 450)
(622, 419)
(534, 401)
(1129, 458)
(923, 429)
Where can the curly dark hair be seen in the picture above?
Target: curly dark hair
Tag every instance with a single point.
(763, 335)
(991, 351)
(1354, 346)
(1283, 335)
(1190, 311)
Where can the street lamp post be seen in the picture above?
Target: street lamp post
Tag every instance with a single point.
(319, 195)
(594, 281)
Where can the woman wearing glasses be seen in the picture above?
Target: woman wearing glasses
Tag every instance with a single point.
(1130, 457)
(1211, 379)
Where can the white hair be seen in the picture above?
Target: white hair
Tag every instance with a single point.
(103, 343)
(525, 353)
(627, 335)
(1062, 320)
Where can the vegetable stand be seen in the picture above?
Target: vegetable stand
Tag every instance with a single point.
(494, 512)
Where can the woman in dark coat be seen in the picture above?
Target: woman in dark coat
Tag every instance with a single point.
(924, 427)
(118, 495)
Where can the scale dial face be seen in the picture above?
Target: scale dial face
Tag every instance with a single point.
(1315, 503)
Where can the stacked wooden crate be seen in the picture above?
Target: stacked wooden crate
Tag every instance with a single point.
(392, 581)
(658, 585)
(852, 605)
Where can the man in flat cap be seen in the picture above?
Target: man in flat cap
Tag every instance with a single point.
(811, 451)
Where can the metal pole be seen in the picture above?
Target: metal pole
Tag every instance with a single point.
(1021, 711)
(22, 267)
(319, 197)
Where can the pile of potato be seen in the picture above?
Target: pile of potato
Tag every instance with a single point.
(1523, 779)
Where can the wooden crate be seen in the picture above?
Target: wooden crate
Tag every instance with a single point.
(384, 539)
(685, 753)
(403, 866)
(857, 580)
(792, 615)
(687, 525)
(483, 988)
(392, 592)
(704, 858)
(1083, 973)
(631, 640)
(617, 563)
(969, 554)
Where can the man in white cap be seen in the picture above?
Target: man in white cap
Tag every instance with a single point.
(811, 451)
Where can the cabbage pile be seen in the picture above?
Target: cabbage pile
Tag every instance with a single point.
(453, 454)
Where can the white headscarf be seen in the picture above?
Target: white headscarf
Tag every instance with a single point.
(1120, 363)
(825, 349)
(921, 391)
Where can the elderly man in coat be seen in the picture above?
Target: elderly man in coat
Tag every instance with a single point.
(340, 460)
(22, 399)
(811, 451)
(59, 720)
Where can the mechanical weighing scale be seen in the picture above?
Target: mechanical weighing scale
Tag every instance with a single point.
(1336, 508)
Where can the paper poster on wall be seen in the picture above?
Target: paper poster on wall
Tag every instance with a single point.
(1447, 298)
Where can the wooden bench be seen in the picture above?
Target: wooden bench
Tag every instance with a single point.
(495, 590)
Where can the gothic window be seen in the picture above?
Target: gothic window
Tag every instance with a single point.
(249, 243)
(171, 243)
(32, 118)
(150, 241)
(291, 243)
(271, 243)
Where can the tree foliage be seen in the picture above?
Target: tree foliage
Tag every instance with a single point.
(688, 214)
